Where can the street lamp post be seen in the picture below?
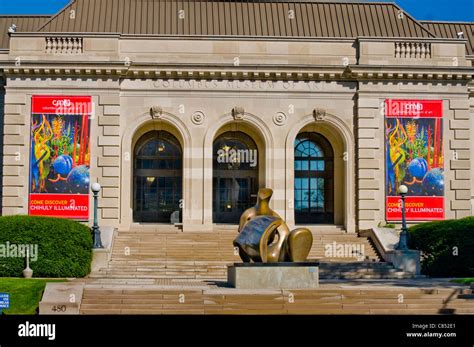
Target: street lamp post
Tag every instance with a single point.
(403, 243)
(95, 228)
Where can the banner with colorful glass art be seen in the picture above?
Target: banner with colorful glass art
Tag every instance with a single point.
(414, 158)
(60, 156)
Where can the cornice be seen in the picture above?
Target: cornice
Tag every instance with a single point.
(397, 72)
(134, 70)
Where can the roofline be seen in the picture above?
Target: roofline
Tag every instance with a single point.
(26, 15)
(445, 22)
(422, 27)
(412, 18)
(232, 37)
(324, 1)
(183, 37)
(398, 38)
(55, 15)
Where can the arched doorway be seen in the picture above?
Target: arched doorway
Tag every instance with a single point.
(157, 178)
(314, 179)
(235, 176)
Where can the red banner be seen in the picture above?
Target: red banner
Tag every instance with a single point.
(62, 105)
(60, 205)
(414, 158)
(60, 156)
(419, 208)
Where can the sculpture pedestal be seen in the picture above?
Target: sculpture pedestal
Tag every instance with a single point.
(273, 275)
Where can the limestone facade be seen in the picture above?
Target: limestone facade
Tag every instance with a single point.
(335, 87)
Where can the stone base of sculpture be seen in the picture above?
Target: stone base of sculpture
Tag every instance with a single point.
(289, 275)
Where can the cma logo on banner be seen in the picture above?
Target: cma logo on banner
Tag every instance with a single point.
(62, 103)
(413, 106)
(67, 106)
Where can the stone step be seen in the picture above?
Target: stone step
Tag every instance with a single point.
(318, 301)
(339, 266)
(384, 291)
(158, 253)
(352, 272)
(212, 239)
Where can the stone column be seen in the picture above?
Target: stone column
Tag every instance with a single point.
(459, 162)
(369, 162)
(471, 118)
(2, 116)
(15, 154)
(107, 153)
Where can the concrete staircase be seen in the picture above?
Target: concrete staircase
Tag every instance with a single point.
(171, 272)
(328, 299)
(168, 253)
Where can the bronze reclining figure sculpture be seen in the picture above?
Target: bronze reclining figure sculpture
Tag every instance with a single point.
(265, 237)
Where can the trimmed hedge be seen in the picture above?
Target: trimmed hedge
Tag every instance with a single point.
(438, 242)
(64, 246)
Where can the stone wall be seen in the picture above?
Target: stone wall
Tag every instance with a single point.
(15, 153)
(278, 85)
(460, 164)
(471, 120)
(2, 117)
(273, 115)
(108, 156)
(105, 139)
(370, 130)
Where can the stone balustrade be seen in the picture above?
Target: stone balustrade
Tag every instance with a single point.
(433, 52)
(64, 45)
(413, 50)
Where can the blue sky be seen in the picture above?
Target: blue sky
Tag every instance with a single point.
(449, 10)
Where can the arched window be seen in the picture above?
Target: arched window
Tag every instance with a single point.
(157, 175)
(235, 176)
(314, 179)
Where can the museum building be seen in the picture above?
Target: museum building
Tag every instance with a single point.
(182, 110)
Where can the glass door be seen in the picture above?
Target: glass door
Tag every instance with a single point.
(157, 179)
(313, 180)
(235, 176)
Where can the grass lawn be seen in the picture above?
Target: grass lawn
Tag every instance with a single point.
(463, 280)
(25, 293)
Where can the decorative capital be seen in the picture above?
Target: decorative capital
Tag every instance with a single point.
(156, 112)
(238, 113)
(319, 114)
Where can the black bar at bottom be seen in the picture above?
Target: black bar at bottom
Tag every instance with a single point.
(325, 330)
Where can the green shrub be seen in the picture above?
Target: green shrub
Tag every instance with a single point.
(64, 246)
(439, 241)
